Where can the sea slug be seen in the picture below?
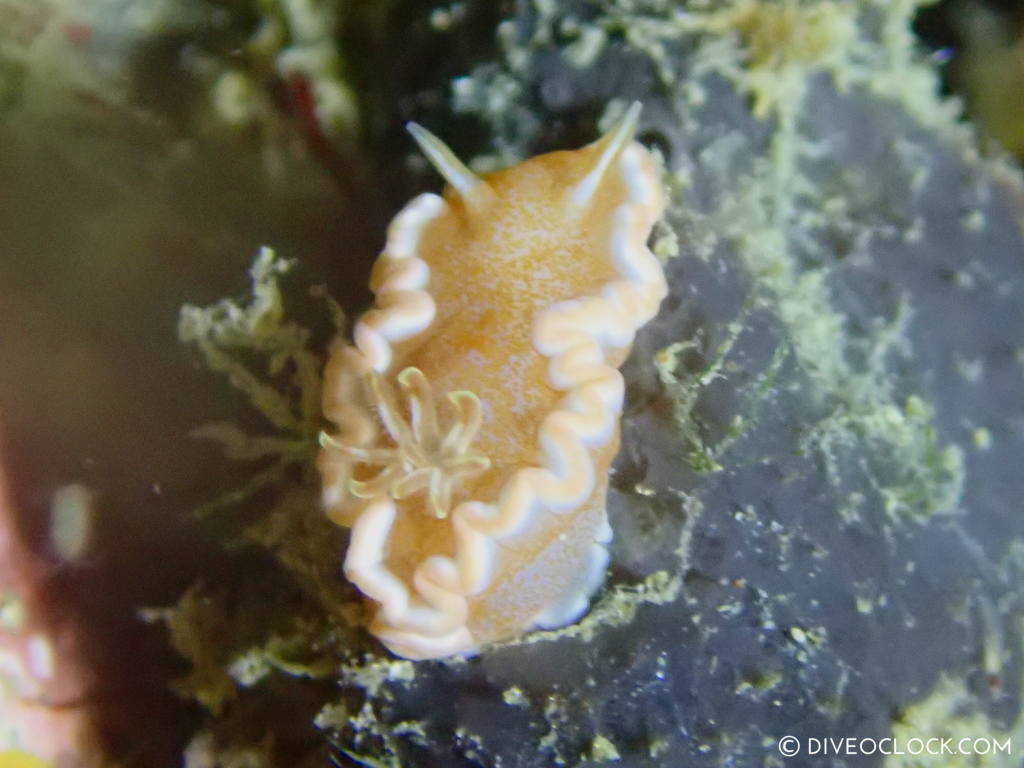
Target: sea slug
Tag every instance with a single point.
(477, 412)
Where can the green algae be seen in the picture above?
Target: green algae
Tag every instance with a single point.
(199, 629)
(686, 387)
(769, 220)
(299, 622)
(860, 402)
(959, 708)
(614, 607)
(382, 741)
(602, 750)
(950, 713)
(233, 643)
(767, 50)
(514, 696)
(228, 332)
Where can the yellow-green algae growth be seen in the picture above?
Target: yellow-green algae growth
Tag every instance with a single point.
(951, 713)
(514, 696)
(238, 641)
(602, 750)
(771, 211)
(685, 388)
(767, 49)
(955, 709)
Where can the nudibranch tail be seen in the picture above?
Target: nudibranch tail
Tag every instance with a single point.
(471, 188)
(478, 410)
(611, 144)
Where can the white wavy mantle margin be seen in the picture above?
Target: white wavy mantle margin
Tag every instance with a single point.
(574, 334)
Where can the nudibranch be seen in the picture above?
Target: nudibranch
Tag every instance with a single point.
(477, 411)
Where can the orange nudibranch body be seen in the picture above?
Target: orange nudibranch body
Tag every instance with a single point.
(478, 410)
